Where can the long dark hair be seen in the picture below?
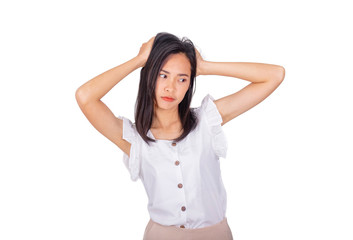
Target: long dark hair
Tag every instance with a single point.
(164, 45)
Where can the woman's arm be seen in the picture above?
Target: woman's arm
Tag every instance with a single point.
(252, 72)
(264, 78)
(97, 87)
(89, 96)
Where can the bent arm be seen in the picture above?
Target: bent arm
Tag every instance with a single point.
(253, 72)
(89, 95)
(96, 88)
(264, 78)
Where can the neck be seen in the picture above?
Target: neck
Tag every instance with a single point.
(166, 119)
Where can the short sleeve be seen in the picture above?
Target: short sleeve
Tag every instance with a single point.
(209, 111)
(132, 163)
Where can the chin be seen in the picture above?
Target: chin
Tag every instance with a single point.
(166, 105)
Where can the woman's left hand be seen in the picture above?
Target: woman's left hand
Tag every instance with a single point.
(200, 62)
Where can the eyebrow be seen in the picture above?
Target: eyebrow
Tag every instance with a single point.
(180, 74)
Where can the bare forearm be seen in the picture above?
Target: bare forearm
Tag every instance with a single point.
(100, 85)
(253, 72)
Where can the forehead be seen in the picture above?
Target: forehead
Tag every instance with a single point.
(177, 63)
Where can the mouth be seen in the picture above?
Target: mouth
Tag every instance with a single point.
(168, 99)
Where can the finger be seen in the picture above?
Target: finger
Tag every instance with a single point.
(152, 39)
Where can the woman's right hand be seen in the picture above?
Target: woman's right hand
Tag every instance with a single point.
(145, 51)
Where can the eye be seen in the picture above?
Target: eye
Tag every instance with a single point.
(163, 75)
(183, 79)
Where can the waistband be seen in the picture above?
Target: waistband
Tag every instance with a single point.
(177, 228)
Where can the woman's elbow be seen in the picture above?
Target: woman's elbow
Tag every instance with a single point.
(280, 74)
(277, 74)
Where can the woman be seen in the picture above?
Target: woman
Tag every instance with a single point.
(172, 148)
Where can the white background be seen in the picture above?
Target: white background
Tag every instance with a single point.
(288, 172)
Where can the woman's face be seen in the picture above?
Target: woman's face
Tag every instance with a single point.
(173, 81)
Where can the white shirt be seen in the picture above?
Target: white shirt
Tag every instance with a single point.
(182, 180)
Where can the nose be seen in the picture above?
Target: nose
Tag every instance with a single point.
(170, 85)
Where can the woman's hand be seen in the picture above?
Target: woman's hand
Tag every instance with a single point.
(145, 50)
(200, 63)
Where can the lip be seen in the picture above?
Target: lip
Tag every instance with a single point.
(168, 99)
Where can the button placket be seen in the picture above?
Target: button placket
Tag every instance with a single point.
(180, 182)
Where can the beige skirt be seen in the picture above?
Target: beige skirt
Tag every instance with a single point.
(219, 231)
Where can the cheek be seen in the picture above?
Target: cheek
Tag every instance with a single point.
(156, 90)
(183, 91)
(158, 85)
(187, 87)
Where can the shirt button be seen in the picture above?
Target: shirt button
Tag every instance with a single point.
(182, 226)
(173, 144)
(177, 163)
(180, 185)
(183, 208)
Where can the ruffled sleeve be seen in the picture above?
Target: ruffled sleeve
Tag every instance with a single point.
(132, 163)
(209, 111)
